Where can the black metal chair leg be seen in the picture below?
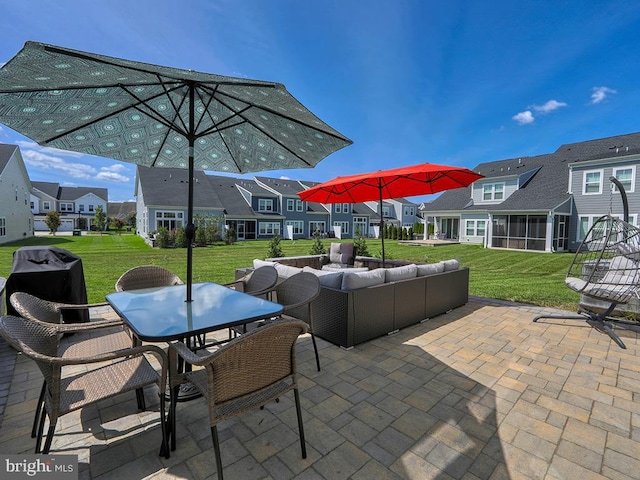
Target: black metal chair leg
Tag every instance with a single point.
(40, 431)
(303, 443)
(315, 349)
(39, 411)
(49, 439)
(216, 449)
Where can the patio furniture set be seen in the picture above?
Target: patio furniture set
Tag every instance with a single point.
(362, 301)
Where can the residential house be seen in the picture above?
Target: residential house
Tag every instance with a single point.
(162, 199)
(543, 203)
(398, 212)
(77, 205)
(16, 219)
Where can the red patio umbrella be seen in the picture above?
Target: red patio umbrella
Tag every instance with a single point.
(421, 179)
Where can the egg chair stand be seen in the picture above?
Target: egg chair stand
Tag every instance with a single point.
(606, 272)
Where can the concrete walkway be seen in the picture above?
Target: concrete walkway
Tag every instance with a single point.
(478, 393)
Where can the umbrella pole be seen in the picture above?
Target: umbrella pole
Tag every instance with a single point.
(190, 229)
(381, 221)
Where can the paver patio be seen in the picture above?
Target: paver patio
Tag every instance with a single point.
(478, 393)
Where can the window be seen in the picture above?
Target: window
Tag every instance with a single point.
(46, 205)
(33, 205)
(592, 182)
(169, 220)
(386, 212)
(298, 226)
(337, 208)
(91, 208)
(3, 227)
(346, 208)
(409, 211)
(475, 228)
(66, 207)
(585, 222)
(269, 228)
(492, 192)
(265, 205)
(290, 204)
(299, 206)
(81, 208)
(626, 176)
(360, 226)
(344, 226)
(316, 226)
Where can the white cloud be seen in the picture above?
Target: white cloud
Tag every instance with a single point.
(600, 94)
(44, 161)
(112, 174)
(523, 118)
(550, 106)
(527, 117)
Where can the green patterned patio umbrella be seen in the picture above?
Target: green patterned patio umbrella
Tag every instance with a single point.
(159, 116)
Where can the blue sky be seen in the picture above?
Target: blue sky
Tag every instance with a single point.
(409, 81)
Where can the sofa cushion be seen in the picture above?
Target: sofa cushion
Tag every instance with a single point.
(354, 280)
(257, 263)
(452, 264)
(400, 273)
(337, 268)
(430, 268)
(341, 253)
(286, 271)
(326, 278)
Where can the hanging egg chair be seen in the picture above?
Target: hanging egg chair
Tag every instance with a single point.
(606, 272)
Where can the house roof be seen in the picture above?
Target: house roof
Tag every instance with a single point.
(48, 188)
(74, 193)
(230, 196)
(6, 152)
(286, 187)
(543, 173)
(169, 187)
(120, 209)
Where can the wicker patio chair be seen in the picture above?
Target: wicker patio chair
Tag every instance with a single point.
(294, 293)
(258, 283)
(112, 373)
(74, 339)
(244, 374)
(146, 276)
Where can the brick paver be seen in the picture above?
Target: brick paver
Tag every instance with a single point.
(478, 393)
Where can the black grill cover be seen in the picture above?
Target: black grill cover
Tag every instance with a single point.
(49, 273)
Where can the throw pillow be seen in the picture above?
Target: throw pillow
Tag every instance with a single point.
(286, 271)
(353, 280)
(326, 278)
(261, 263)
(452, 264)
(401, 273)
(430, 268)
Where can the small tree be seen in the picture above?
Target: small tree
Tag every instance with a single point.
(52, 219)
(163, 239)
(275, 250)
(317, 248)
(100, 218)
(118, 224)
(181, 238)
(360, 245)
(231, 236)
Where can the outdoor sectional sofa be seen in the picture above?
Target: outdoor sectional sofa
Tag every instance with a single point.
(359, 304)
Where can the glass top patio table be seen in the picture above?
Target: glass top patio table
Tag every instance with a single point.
(161, 314)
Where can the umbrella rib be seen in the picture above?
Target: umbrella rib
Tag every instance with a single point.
(291, 119)
(105, 61)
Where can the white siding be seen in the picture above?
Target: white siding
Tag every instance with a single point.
(15, 197)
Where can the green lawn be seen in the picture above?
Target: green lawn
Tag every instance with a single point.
(536, 278)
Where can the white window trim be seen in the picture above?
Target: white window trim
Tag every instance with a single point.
(268, 228)
(633, 177)
(493, 198)
(584, 182)
(344, 226)
(290, 204)
(265, 205)
(3, 227)
(298, 226)
(337, 208)
(299, 206)
(475, 227)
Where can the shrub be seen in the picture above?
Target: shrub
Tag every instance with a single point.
(163, 238)
(181, 238)
(317, 248)
(275, 250)
(360, 245)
